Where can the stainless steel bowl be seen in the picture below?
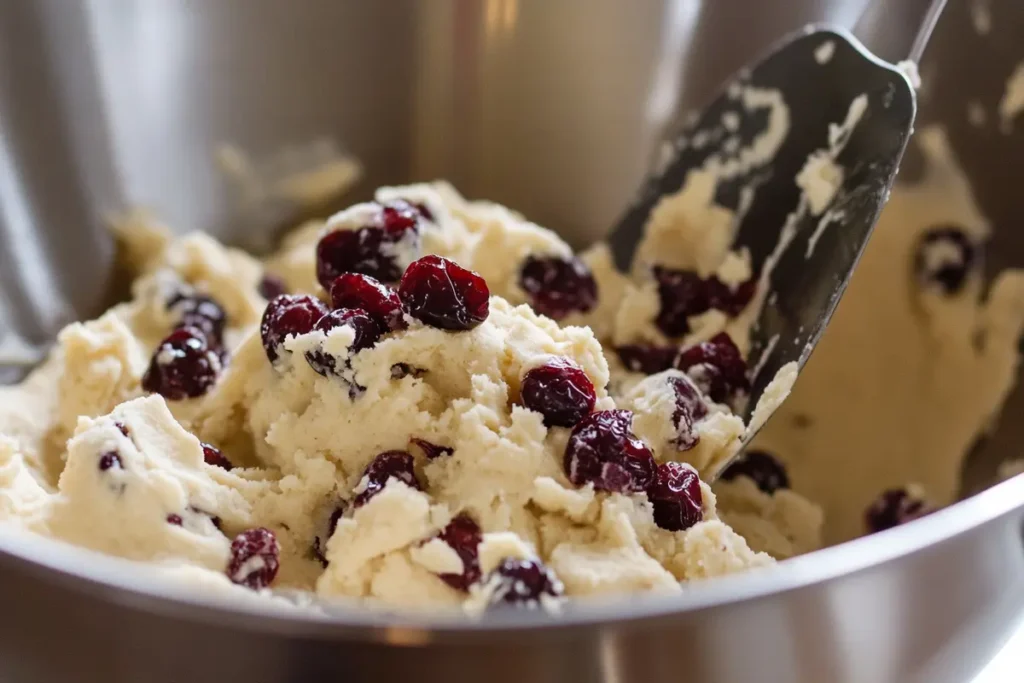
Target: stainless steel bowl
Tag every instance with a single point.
(555, 107)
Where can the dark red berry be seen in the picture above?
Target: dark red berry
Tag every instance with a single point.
(271, 286)
(560, 391)
(676, 497)
(320, 542)
(372, 249)
(945, 255)
(558, 286)
(895, 507)
(603, 451)
(110, 459)
(683, 294)
(763, 468)
(464, 537)
(690, 409)
(183, 365)
(199, 311)
(647, 358)
(443, 294)
(523, 583)
(432, 451)
(255, 557)
(288, 315)
(717, 367)
(213, 456)
(174, 519)
(366, 335)
(387, 465)
(355, 290)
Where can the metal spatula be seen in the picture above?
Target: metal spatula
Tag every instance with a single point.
(844, 106)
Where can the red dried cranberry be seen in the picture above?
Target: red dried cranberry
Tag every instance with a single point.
(432, 451)
(372, 249)
(174, 519)
(199, 311)
(763, 468)
(443, 294)
(366, 335)
(320, 542)
(560, 391)
(523, 583)
(387, 465)
(683, 294)
(255, 557)
(647, 358)
(558, 286)
(945, 255)
(213, 456)
(676, 497)
(271, 286)
(355, 290)
(288, 315)
(603, 451)
(464, 537)
(717, 367)
(183, 365)
(895, 507)
(690, 408)
(110, 459)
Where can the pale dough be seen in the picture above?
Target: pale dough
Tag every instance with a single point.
(301, 441)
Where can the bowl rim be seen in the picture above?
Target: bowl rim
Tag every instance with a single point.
(144, 587)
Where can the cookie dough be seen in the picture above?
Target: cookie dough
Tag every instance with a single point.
(403, 464)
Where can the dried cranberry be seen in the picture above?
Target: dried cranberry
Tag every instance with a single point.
(320, 542)
(213, 456)
(432, 451)
(366, 335)
(647, 358)
(372, 249)
(523, 583)
(199, 311)
(558, 286)
(560, 391)
(174, 519)
(288, 315)
(763, 468)
(271, 286)
(183, 365)
(603, 451)
(110, 459)
(255, 557)
(355, 290)
(895, 507)
(387, 465)
(945, 255)
(443, 294)
(683, 294)
(464, 537)
(676, 497)
(717, 367)
(690, 408)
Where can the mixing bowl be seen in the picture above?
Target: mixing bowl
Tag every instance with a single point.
(554, 107)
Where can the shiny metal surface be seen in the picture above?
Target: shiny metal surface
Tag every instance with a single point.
(555, 107)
